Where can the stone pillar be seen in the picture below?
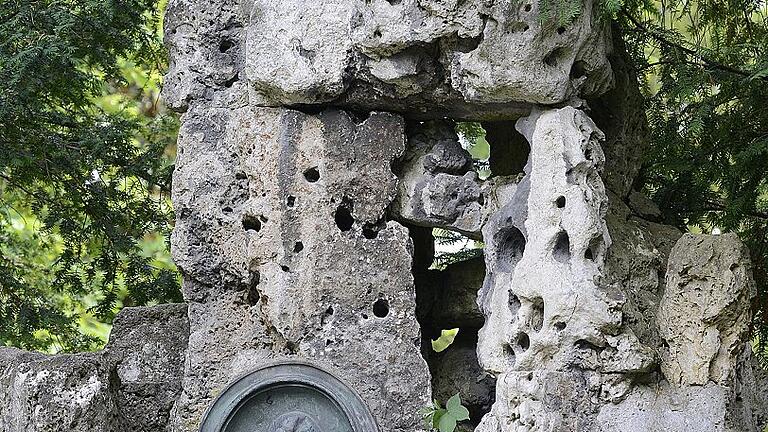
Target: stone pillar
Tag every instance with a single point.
(317, 135)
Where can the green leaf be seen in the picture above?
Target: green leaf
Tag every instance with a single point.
(453, 403)
(445, 340)
(447, 423)
(437, 417)
(457, 410)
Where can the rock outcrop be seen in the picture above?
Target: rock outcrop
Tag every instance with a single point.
(319, 149)
(131, 385)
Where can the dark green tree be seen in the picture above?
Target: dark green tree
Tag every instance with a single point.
(92, 172)
(704, 72)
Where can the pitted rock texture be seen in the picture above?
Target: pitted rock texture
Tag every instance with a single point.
(282, 238)
(428, 58)
(552, 334)
(704, 314)
(131, 385)
(438, 186)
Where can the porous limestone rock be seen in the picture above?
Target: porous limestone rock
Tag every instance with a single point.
(704, 314)
(428, 58)
(438, 186)
(708, 380)
(282, 239)
(131, 385)
(553, 335)
(578, 319)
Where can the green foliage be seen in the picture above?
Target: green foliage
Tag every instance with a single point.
(85, 168)
(703, 70)
(445, 419)
(560, 12)
(447, 336)
(452, 247)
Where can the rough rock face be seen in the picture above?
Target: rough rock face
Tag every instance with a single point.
(427, 58)
(552, 333)
(708, 379)
(578, 319)
(318, 151)
(287, 254)
(131, 385)
(704, 313)
(438, 186)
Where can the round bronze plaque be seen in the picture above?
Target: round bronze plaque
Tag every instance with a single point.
(288, 397)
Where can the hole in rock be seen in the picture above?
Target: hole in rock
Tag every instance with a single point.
(227, 209)
(329, 311)
(589, 255)
(537, 314)
(524, 341)
(365, 316)
(381, 308)
(578, 70)
(560, 30)
(528, 7)
(509, 351)
(251, 223)
(508, 148)
(312, 174)
(225, 45)
(394, 2)
(513, 303)
(562, 249)
(451, 247)
(586, 345)
(230, 82)
(290, 201)
(241, 175)
(343, 215)
(370, 232)
(560, 202)
(253, 293)
(298, 247)
(510, 247)
(559, 326)
(285, 268)
(377, 33)
(588, 154)
(552, 58)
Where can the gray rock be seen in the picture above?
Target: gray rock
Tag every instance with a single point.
(704, 314)
(286, 253)
(427, 58)
(131, 385)
(437, 185)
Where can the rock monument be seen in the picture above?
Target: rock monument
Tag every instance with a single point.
(319, 149)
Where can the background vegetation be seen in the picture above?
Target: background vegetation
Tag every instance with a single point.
(84, 169)
(87, 149)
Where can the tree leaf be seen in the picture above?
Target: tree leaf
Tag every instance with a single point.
(445, 340)
(447, 423)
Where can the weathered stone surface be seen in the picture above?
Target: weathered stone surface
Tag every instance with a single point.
(292, 237)
(148, 347)
(553, 335)
(131, 385)
(456, 370)
(286, 254)
(428, 58)
(620, 114)
(704, 314)
(438, 185)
